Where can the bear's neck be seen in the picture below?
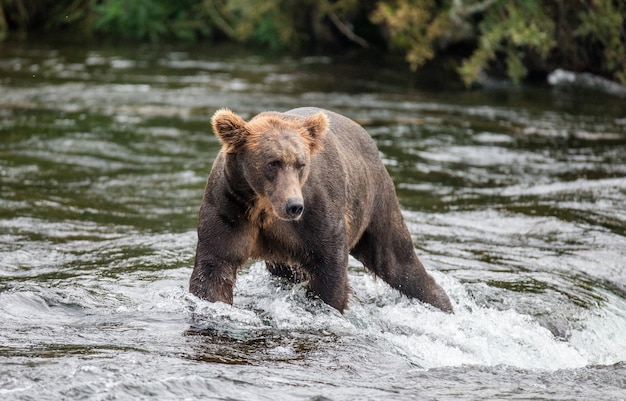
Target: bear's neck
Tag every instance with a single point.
(237, 188)
(238, 191)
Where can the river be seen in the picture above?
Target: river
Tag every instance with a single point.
(515, 197)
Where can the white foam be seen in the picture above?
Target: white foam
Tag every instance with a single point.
(425, 337)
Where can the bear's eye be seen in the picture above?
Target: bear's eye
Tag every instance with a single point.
(274, 164)
(301, 167)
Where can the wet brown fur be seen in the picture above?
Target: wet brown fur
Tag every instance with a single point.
(262, 126)
(330, 164)
(261, 214)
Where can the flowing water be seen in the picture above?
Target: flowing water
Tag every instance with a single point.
(516, 199)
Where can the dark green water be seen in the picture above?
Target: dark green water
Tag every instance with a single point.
(516, 198)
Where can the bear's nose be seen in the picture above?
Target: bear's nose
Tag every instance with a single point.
(294, 207)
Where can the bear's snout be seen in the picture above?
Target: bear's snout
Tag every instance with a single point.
(294, 208)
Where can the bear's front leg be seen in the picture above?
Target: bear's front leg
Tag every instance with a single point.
(331, 288)
(328, 279)
(223, 247)
(213, 279)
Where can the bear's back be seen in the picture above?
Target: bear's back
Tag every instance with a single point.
(352, 140)
(350, 162)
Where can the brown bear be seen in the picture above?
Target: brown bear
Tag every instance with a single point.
(302, 190)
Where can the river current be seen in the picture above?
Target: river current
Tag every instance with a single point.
(515, 197)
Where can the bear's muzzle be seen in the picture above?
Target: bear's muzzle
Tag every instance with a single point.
(294, 208)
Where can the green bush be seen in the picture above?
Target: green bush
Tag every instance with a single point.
(523, 35)
(539, 34)
(414, 26)
(139, 19)
(151, 19)
(267, 22)
(512, 30)
(604, 25)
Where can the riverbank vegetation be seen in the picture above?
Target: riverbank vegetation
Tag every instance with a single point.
(518, 39)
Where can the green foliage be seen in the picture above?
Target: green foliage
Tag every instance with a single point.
(267, 22)
(414, 25)
(523, 35)
(278, 24)
(604, 25)
(151, 19)
(512, 29)
(139, 19)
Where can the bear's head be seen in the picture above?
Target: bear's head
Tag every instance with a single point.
(273, 151)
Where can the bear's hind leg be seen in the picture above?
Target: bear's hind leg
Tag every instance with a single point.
(390, 256)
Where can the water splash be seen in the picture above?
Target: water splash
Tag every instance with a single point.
(474, 335)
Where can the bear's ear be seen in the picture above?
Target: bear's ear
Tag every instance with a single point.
(230, 129)
(316, 126)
